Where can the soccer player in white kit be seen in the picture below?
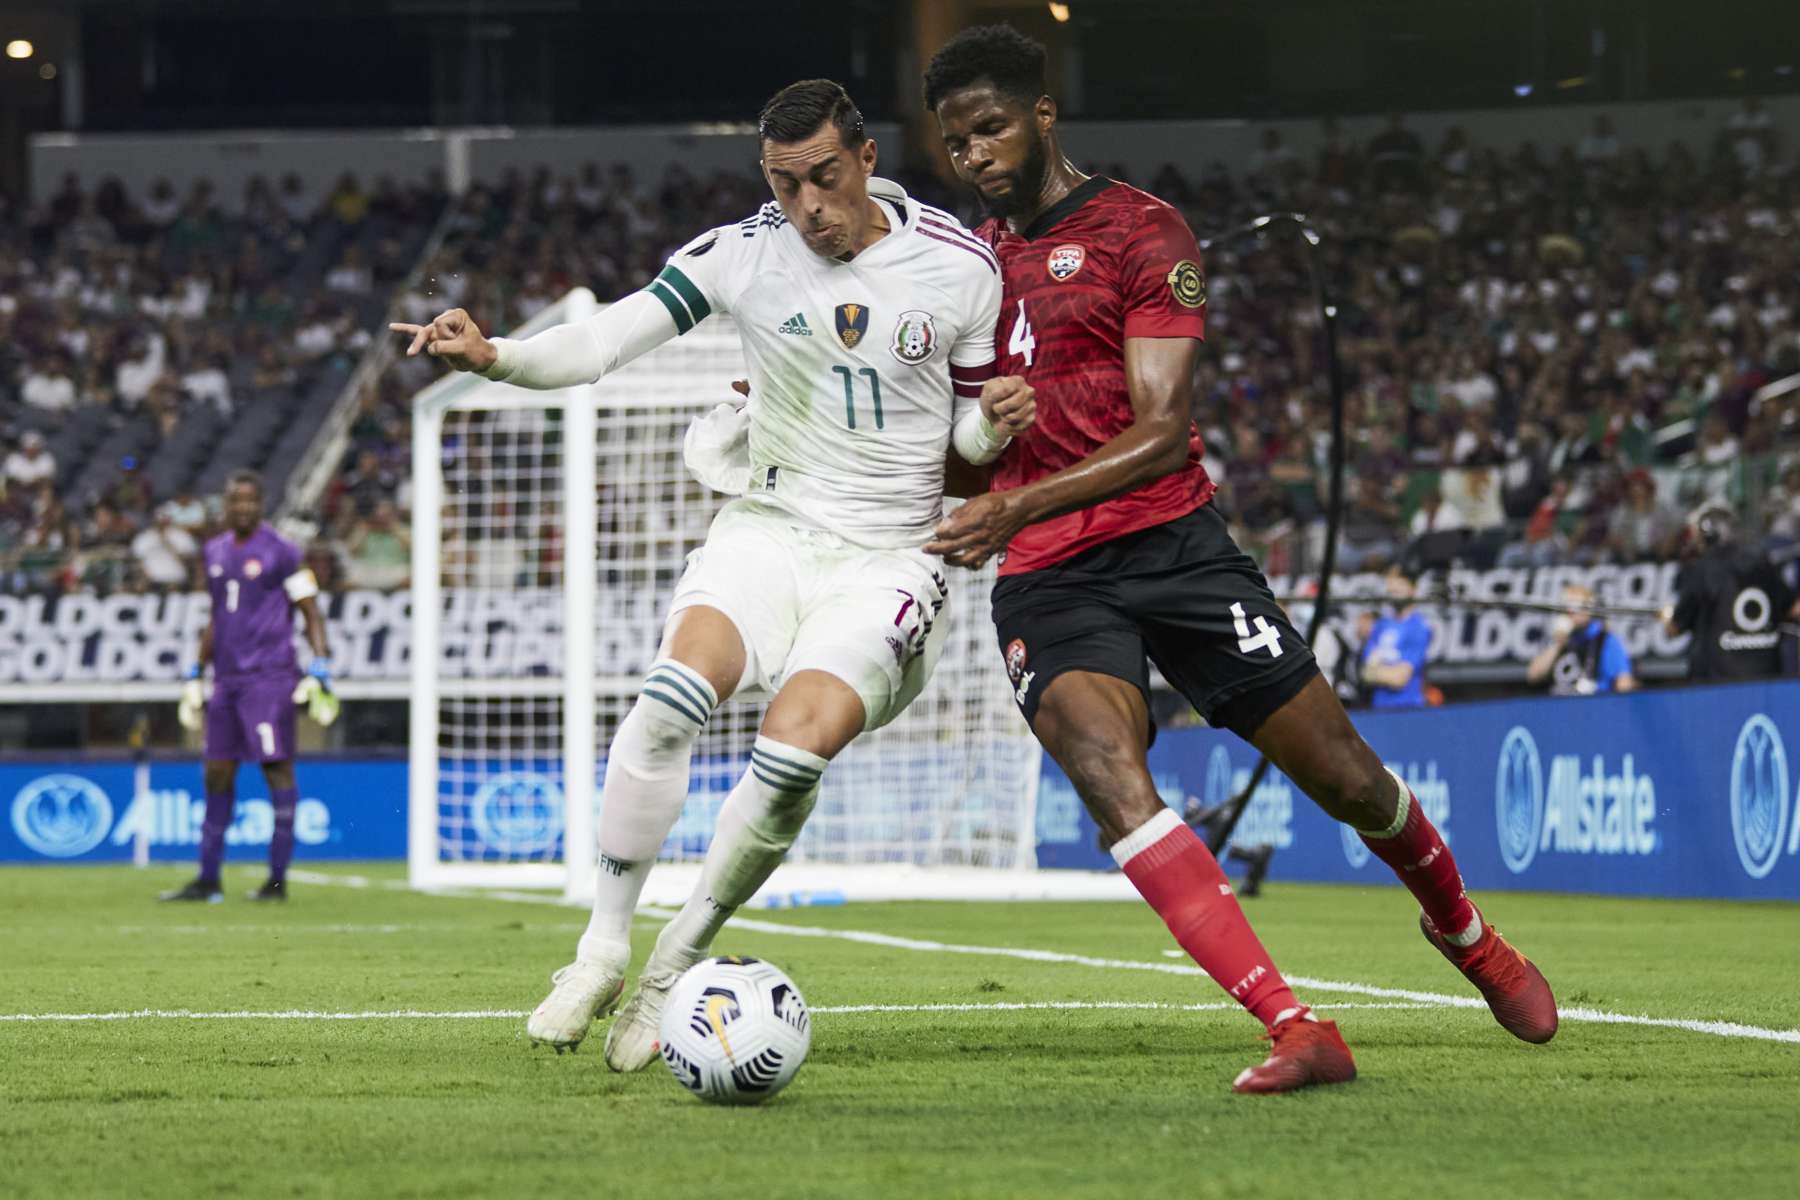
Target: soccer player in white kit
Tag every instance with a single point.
(867, 320)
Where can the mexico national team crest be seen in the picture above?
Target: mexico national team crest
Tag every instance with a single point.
(1188, 284)
(1065, 261)
(852, 323)
(915, 337)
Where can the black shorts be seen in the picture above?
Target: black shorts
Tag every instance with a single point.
(1181, 595)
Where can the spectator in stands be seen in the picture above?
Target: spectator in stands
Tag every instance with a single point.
(1601, 147)
(31, 464)
(165, 552)
(1784, 505)
(352, 273)
(207, 382)
(1368, 538)
(50, 386)
(293, 199)
(1395, 154)
(1272, 159)
(1751, 132)
(104, 558)
(1581, 657)
(1544, 542)
(1393, 657)
(130, 492)
(1642, 527)
(42, 552)
(380, 550)
(369, 482)
(187, 511)
(1472, 491)
(348, 203)
(142, 364)
(161, 206)
(1433, 516)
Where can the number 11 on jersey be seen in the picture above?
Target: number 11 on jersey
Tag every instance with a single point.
(850, 393)
(1023, 342)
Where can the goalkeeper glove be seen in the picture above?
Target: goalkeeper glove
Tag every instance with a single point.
(315, 693)
(193, 699)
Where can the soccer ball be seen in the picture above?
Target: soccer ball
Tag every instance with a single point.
(735, 1030)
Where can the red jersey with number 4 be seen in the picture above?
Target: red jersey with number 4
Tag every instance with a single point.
(1106, 263)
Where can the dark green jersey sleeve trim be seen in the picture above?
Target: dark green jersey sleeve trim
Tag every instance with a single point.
(672, 302)
(684, 287)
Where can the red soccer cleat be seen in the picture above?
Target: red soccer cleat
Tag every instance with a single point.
(1514, 989)
(1304, 1052)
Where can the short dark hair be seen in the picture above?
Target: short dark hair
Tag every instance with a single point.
(245, 475)
(997, 54)
(800, 110)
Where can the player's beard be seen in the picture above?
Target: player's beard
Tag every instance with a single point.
(1027, 185)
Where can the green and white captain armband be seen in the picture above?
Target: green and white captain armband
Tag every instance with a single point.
(976, 439)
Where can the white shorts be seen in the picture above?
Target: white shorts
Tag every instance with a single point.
(805, 599)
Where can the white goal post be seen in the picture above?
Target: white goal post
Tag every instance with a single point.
(549, 529)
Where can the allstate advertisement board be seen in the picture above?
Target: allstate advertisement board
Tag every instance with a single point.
(1672, 793)
(91, 812)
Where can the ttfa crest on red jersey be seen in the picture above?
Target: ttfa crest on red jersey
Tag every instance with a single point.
(1066, 260)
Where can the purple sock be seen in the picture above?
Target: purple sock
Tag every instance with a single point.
(219, 806)
(281, 844)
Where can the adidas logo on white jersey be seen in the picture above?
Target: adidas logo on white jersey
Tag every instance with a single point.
(795, 325)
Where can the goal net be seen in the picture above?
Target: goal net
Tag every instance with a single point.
(549, 531)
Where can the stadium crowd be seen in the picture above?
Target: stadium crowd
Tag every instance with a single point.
(151, 344)
(1550, 355)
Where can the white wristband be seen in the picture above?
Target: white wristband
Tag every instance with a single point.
(503, 363)
(976, 440)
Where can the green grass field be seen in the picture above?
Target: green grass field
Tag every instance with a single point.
(979, 1101)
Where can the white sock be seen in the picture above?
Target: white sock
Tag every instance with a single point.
(760, 820)
(646, 785)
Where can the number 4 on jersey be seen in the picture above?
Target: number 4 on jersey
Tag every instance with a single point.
(1023, 342)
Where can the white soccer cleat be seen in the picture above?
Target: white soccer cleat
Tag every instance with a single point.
(583, 991)
(631, 1043)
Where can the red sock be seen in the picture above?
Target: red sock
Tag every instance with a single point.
(1181, 879)
(1425, 865)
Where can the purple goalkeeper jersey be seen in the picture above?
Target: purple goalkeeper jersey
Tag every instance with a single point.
(253, 619)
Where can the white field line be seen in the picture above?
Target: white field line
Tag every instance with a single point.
(196, 930)
(163, 1014)
(1726, 1029)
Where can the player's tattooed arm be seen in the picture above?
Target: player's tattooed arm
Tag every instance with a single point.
(1159, 373)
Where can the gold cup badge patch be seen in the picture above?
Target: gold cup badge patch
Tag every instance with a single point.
(852, 323)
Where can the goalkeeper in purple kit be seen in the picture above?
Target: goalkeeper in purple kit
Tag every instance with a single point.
(256, 579)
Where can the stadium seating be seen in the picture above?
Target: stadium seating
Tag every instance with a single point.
(1507, 320)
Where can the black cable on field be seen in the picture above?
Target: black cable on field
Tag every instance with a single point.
(1334, 505)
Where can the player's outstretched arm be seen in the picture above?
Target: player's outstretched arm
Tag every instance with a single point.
(559, 357)
(453, 336)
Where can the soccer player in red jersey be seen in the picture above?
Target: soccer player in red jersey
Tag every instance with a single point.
(1113, 554)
